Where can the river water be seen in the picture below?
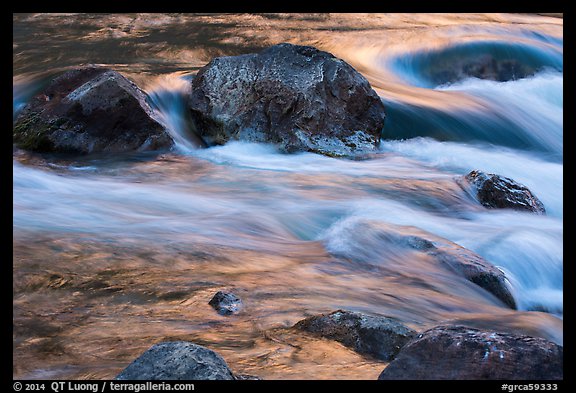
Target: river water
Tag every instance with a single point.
(112, 254)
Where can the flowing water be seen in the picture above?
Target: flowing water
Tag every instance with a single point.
(112, 254)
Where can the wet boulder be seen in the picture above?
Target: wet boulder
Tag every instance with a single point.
(226, 303)
(499, 192)
(475, 269)
(465, 263)
(86, 110)
(379, 336)
(177, 360)
(370, 242)
(460, 352)
(297, 97)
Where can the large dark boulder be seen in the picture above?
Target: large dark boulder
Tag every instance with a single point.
(89, 109)
(177, 360)
(495, 191)
(459, 352)
(298, 97)
(381, 337)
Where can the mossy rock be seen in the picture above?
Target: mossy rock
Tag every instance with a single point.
(86, 110)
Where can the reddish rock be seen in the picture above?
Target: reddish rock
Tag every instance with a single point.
(460, 352)
(499, 192)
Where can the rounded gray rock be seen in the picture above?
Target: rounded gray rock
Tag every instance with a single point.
(177, 360)
(297, 97)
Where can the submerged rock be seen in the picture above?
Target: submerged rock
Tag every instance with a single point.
(459, 352)
(297, 97)
(483, 66)
(177, 360)
(226, 303)
(89, 109)
(494, 191)
(247, 377)
(364, 240)
(473, 267)
(381, 337)
(491, 60)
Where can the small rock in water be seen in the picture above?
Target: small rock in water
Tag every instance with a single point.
(177, 360)
(494, 191)
(381, 337)
(226, 303)
(460, 352)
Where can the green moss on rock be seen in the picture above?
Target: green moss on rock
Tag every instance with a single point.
(32, 132)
